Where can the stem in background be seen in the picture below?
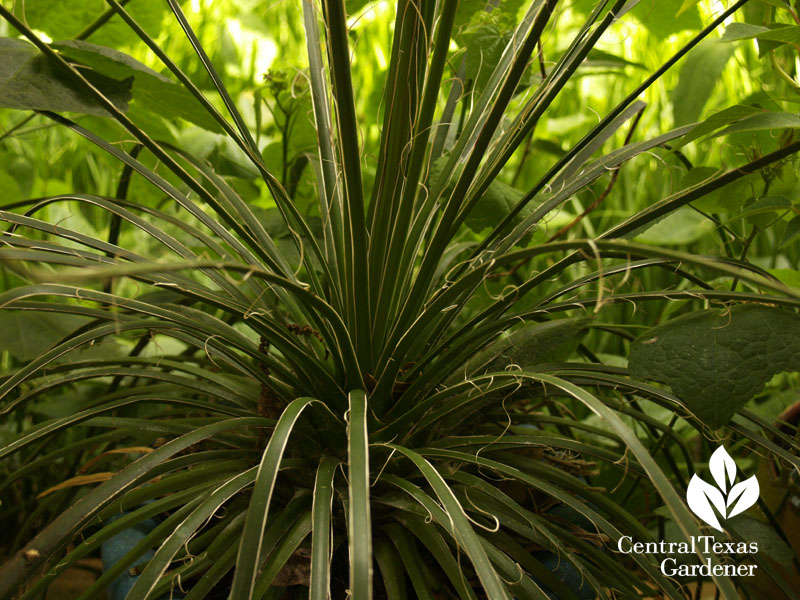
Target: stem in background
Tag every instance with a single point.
(99, 22)
(513, 271)
(540, 56)
(606, 191)
(527, 149)
(525, 152)
(284, 144)
(680, 156)
(656, 447)
(116, 220)
(667, 456)
(462, 114)
(714, 218)
(19, 125)
(783, 74)
(748, 242)
(698, 590)
(267, 400)
(208, 66)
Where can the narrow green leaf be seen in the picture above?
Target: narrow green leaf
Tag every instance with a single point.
(719, 119)
(289, 211)
(282, 553)
(359, 523)
(330, 198)
(249, 557)
(662, 484)
(669, 204)
(162, 559)
(742, 31)
(409, 555)
(461, 528)
(221, 566)
(550, 540)
(631, 98)
(284, 523)
(600, 58)
(426, 532)
(152, 539)
(182, 501)
(394, 578)
(14, 571)
(387, 284)
(215, 78)
(762, 122)
(522, 586)
(778, 32)
(319, 588)
(357, 286)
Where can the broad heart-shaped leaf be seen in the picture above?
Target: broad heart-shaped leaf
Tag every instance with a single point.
(538, 343)
(63, 19)
(468, 9)
(27, 335)
(151, 90)
(496, 202)
(485, 40)
(28, 80)
(717, 360)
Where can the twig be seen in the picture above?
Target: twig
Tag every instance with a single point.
(606, 191)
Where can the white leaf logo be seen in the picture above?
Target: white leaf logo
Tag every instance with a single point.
(703, 497)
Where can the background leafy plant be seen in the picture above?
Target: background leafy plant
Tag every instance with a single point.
(353, 344)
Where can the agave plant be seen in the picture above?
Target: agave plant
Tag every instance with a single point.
(377, 404)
